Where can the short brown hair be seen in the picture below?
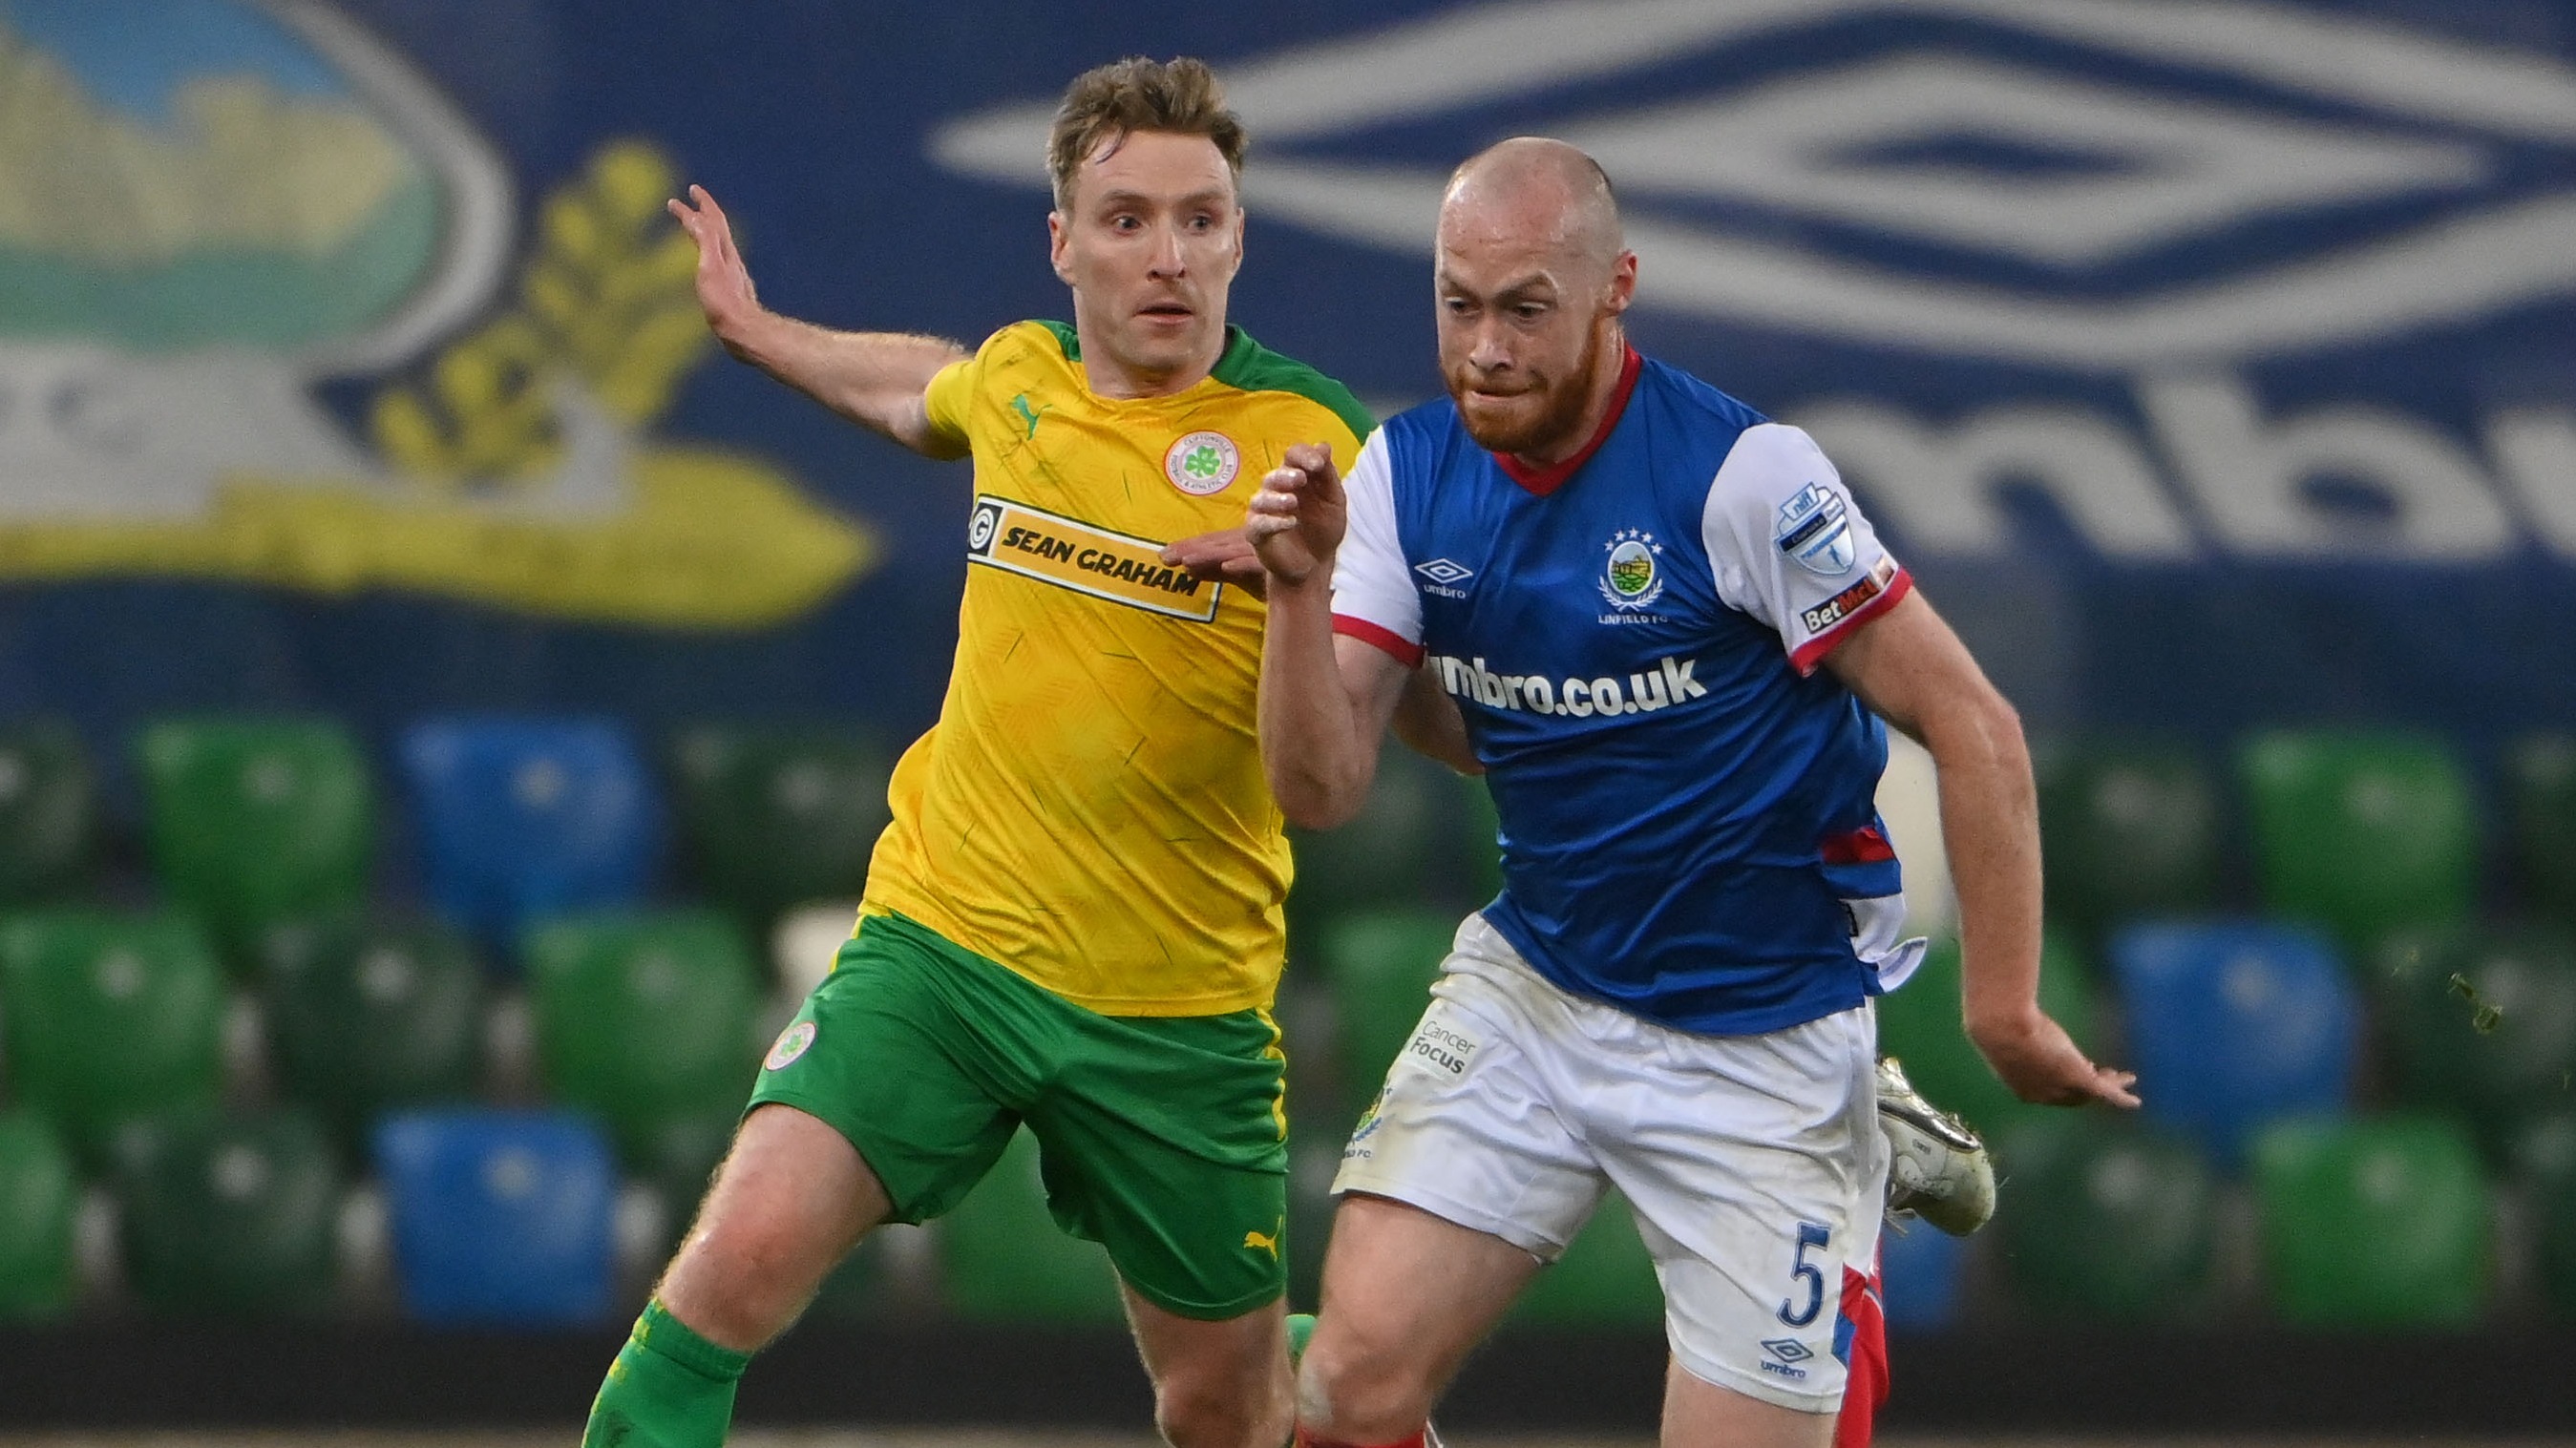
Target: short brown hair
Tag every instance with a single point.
(1116, 100)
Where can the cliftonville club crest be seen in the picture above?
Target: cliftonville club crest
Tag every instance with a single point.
(1202, 463)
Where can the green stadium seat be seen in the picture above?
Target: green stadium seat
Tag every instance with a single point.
(2540, 773)
(1605, 1279)
(1003, 1258)
(645, 1020)
(2545, 1162)
(2374, 1223)
(2493, 1049)
(2106, 1218)
(1408, 846)
(367, 1017)
(257, 821)
(48, 813)
(230, 1214)
(2128, 830)
(773, 818)
(1919, 1024)
(679, 1161)
(38, 1196)
(2361, 833)
(1380, 965)
(109, 1018)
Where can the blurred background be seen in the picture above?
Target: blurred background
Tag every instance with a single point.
(445, 706)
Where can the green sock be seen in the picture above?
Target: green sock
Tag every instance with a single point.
(1301, 1327)
(669, 1388)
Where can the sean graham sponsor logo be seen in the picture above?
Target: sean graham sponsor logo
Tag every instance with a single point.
(1072, 554)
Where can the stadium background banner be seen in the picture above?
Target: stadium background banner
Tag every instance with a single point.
(2213, 364)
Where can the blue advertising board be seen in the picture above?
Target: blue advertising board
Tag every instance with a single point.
(2213, 363)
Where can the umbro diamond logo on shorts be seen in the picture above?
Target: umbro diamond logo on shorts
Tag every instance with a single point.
(1785, 1355)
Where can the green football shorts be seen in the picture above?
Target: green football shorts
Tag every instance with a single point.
(1164, 1140)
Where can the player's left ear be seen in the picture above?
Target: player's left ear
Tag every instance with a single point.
(1623, 282)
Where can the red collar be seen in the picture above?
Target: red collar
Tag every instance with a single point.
(1543, 481)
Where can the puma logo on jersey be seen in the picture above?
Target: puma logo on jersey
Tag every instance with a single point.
(1028, 414)
(1669, 683)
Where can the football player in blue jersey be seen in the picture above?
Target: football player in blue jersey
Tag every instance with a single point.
(1675, 643)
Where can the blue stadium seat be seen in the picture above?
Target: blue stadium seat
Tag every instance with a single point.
(523, 817)
(2234, 1024)
(1920, 1270)
(499, 1217)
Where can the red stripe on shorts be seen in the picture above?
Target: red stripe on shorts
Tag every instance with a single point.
(1865, 1385)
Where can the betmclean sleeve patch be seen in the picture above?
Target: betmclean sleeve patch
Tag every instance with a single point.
(1789, 546)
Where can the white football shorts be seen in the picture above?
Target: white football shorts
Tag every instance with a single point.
(1754, 1164)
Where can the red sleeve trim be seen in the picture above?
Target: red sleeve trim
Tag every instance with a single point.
(1811, 655)
(1867, 845)
(1407, 654)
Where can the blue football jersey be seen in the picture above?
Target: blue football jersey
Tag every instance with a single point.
(1688, 825)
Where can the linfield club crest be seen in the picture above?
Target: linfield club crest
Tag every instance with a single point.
(1631, 578)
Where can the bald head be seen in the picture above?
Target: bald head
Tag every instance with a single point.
(1532, 279)
(1540, 191)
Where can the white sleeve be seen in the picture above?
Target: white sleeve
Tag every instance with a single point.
(1373, 591)
(1790, 547)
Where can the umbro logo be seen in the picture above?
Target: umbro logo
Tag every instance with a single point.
(1786, 1353)
(2020, 181)
(1444, 575)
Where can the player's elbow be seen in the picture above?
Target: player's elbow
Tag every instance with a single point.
(1977, 726)
(1316, 809)
(1316, 799)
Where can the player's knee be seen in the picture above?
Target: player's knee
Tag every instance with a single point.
(1356, 1392)
(740, 1277)
(1196, 1413)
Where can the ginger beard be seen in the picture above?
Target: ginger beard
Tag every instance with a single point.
(1524, 412)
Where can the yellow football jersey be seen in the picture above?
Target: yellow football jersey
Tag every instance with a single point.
(1090, 810)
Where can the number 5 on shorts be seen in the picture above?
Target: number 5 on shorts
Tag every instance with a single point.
(1809, 1235)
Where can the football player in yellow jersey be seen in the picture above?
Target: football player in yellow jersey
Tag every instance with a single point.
(1074, 920)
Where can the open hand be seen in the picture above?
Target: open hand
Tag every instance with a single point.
(1224, 556)
(2040, 1062)
(724, 283)
(1298, 518)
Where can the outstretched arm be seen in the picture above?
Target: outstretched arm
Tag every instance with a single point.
(1910, 669)
(1325, 700)
(875, 379)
